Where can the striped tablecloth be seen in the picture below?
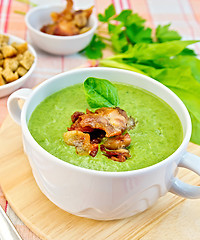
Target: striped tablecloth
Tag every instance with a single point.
(183, 14)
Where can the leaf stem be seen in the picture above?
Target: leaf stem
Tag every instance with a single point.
(27, 2)
(20, 12)
(104, 38)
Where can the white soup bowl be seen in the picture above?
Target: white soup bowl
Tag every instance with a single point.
(97, 194)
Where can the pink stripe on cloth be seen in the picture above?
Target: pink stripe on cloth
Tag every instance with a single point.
(1, 6)
(121, 4)
(7, 16)
(129, 4)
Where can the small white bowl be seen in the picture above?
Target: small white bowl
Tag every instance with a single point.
(11, 87)
(59, 45)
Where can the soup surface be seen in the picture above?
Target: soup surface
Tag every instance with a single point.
(158, 132)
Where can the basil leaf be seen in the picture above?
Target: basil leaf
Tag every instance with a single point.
(100, 93)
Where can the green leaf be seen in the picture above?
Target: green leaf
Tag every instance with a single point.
(122, 17)
(109, 12)
(135, 19)
(148, 70)
(138, 34)
(182, 61)
(128, 18)
(188, 52)
(118, 37)
(163, 34)
(100, 93)
(94, 49)
(182, 83)
(144, 51)
(119, 42)
(121, 65)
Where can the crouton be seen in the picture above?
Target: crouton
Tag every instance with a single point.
(2, 81)
(21, 48)
(3, 39)
(9, 75)
(8, 51)
(27, 60)
(21, 71)
(11, 63)
(1, 56)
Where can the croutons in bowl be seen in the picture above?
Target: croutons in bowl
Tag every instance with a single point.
(17, 63)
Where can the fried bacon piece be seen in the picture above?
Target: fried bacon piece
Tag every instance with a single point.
(94, 149)
(68, 22)
(88, 130)
(117, 118)
(66, 14)
(119, 155)
(76, 115)
(111, 120)
(82, 143)
(117, 142)
(65, 28)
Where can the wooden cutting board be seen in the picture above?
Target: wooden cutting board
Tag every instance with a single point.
(49, 222)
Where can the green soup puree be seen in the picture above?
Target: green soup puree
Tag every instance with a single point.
(158, 132)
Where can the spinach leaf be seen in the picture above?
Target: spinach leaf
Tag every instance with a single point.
(151, 51)
(181, 61)
(100, 93)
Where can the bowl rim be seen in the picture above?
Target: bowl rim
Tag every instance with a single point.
(63, 38)
(29, 72)
(52, 158)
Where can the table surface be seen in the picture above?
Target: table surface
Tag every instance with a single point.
(184, 16)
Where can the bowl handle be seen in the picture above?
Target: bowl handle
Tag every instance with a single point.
(192, 162)
(13, 104)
